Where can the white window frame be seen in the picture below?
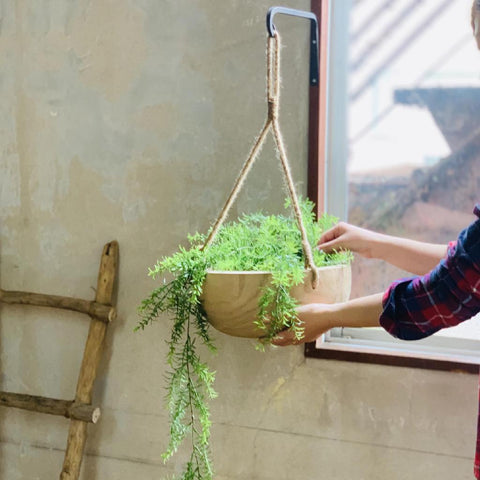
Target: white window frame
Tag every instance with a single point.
(369, 344)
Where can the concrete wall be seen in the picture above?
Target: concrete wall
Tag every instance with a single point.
(129, 120)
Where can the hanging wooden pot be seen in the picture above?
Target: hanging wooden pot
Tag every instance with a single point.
(230, 299)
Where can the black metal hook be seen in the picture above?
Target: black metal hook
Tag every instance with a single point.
(314, 69)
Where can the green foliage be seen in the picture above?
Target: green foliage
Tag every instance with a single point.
(189, 380)
(255, 242)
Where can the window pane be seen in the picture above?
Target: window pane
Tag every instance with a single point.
(413, 130)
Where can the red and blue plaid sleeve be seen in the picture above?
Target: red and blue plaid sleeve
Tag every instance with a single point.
(419, 306)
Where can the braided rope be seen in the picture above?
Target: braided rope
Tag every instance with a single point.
(273, 95)
(273, 112)
(238, 184)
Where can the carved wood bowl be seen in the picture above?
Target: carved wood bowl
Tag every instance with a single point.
(230, 299)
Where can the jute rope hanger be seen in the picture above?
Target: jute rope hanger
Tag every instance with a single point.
(271, 122)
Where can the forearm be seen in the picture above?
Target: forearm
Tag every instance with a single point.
(415, 257)
(359, 312)
(410, 255)
(318, 318)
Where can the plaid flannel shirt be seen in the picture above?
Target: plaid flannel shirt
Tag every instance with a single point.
(419, 306)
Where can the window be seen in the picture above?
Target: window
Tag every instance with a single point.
(403, 146)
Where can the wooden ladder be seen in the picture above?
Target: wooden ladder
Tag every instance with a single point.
(80, 411)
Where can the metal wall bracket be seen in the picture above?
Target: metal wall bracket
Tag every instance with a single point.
(314, 68)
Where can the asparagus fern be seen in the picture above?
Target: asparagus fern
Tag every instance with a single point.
(256, 242)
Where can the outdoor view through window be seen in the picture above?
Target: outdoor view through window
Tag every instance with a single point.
(413, 105)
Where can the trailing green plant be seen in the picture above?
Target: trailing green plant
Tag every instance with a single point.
(256, 242)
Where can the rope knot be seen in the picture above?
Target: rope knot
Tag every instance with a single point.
(272, 109)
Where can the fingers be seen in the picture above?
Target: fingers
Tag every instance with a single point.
(329, 247)
(284, 339)
(333, 239)
(348, 237)
(332, 234)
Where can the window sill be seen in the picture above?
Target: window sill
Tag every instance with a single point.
(392, 357)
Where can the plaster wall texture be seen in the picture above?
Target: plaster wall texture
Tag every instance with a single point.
(129, 120)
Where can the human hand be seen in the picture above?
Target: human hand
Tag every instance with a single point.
(315, 320)
(344, 236)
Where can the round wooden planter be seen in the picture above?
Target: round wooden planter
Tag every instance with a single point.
(230, 299)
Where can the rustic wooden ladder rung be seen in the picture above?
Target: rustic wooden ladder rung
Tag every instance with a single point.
(80, 411)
